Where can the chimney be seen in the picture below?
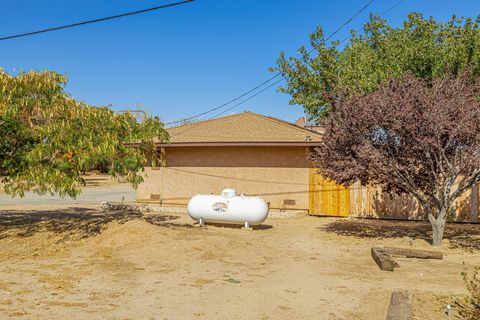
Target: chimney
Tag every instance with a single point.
(300, 122)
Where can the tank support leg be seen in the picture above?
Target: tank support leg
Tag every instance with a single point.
(201, 223)
(247, 226)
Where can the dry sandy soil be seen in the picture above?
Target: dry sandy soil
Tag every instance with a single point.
(77, 263)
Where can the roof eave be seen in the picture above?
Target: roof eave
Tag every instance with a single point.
(239, 144)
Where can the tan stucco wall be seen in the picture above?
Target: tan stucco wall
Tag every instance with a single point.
(274, 173)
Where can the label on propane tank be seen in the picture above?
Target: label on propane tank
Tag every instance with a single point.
(220, 207)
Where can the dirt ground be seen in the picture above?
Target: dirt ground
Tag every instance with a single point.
(77, 263)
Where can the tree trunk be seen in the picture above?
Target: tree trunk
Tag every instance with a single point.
(438, 226)
(438, 223)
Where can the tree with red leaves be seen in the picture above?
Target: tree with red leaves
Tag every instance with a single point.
(410, 136)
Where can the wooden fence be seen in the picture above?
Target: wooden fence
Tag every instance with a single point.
(331, 199)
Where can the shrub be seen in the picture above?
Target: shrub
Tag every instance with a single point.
(469, 307)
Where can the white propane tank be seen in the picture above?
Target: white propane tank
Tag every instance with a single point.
(228, 208)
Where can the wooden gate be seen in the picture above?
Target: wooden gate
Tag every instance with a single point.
(327, 198)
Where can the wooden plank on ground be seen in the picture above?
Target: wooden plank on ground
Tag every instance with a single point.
(413, 253)
(384, 261)
(400, 306)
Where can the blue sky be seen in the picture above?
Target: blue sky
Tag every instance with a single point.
(183, 60)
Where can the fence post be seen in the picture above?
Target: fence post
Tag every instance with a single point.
(474, 203)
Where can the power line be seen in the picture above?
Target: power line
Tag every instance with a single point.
(249, 98)
(396, 4)
(346, 22)
(223, 105)
(391, 8)
(328, 38)
(95, 20)
(225, 111)
(274, 76)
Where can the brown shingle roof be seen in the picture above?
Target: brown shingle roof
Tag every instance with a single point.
(247, 127)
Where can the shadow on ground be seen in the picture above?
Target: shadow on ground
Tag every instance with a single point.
(466, 236)
(239, 226)
(74, 222)
(164, 220)
(77, 222)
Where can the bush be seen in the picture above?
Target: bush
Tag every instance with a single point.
(469, 307)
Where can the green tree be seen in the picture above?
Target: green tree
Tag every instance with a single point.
(48, 138)
(423, 47)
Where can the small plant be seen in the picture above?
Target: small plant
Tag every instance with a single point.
(469, 307)
(230, 279)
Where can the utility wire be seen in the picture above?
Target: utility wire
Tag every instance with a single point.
(274, 76)
(346, 22)
(396, 4)
(249, 98)
(225, 104)
(330, 36)
(225, 111)
(95, 20)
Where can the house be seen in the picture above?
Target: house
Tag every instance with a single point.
(252, 153)
(265, 156)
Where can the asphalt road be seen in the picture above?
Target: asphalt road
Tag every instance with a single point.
(98, 194)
